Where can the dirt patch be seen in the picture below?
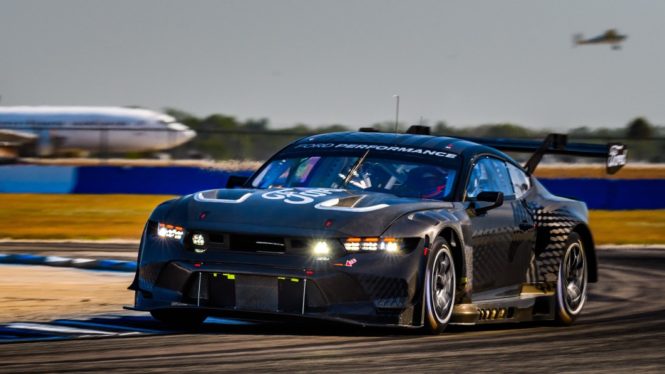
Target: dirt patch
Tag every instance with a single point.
(41, 293)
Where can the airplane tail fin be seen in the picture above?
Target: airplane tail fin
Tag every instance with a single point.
(577, 39)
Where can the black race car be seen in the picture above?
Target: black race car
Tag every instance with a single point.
(377, 229)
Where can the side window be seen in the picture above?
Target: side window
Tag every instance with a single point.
(489, 174)
(521, 181)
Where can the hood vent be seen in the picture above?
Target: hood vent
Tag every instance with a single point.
(348, 204)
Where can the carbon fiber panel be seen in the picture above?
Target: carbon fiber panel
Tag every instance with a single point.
(556, 225)
(385, 292)
(256, 293)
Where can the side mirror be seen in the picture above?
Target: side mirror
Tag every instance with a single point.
(494, 200)
(236, 181)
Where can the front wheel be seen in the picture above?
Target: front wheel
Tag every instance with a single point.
(439, 287)
(179, 318)
(572, 283)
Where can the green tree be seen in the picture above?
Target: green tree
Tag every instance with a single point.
(639, 128)
(442, 128)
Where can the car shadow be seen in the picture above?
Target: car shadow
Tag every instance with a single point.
(332, 328)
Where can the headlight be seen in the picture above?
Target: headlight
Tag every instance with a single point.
(170, 231)
(321, 250)
(199, 242)
(392, 245)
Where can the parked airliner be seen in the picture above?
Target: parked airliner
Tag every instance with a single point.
(94, 129)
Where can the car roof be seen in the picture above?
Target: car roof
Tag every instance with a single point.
(461, 147)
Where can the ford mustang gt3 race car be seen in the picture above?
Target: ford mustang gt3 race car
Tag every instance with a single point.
(377, 229)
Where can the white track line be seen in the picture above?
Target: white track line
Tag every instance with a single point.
(57, 329)
(107, 326)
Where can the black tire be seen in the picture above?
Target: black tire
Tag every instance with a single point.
(186, 319)
(571, 287)
(439, 287)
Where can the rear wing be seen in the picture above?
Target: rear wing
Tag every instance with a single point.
(614, 153)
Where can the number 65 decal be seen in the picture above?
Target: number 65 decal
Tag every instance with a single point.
(291, 196)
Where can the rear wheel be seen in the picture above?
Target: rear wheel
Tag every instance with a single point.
(179, 318)
(439, 287)
(572, 283)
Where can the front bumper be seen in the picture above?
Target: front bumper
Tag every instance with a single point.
(365, 288)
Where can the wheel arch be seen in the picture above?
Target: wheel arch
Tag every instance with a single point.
(457, 249)
(590, 250)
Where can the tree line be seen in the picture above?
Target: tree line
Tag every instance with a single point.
(223, 137)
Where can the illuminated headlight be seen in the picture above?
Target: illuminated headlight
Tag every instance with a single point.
(198, 240)
(391, 245)
(321, 250)
(352, 244)
(170, 231)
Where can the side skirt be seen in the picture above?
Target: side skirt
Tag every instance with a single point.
(533, 304)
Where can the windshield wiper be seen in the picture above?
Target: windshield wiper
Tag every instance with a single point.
(354, 168)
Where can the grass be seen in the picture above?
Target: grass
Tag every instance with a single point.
(42, 216)
(630, 171)
(628, 226)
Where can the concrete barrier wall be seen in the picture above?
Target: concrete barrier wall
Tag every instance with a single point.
(611, 194)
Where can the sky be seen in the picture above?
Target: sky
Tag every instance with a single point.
(340, 62)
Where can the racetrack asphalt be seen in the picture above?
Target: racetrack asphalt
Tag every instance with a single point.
(622, 329)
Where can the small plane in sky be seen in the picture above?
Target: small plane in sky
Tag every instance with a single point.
(611, 37)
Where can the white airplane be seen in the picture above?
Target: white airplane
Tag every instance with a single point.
(96, 129)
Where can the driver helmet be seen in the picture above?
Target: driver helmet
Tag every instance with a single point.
(427, 182)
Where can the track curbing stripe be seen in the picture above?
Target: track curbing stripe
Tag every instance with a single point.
(81, 263)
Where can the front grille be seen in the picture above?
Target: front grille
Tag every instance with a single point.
(218, 241)
(254, 243)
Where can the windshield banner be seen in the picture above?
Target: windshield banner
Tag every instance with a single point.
(378, 147)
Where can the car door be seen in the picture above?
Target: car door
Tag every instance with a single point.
(525, 233)
(501, 253)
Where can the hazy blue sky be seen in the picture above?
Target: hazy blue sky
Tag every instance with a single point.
(323, 62)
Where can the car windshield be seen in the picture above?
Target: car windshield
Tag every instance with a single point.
(359, 172)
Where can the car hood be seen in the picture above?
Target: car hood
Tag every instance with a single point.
(300, 211)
